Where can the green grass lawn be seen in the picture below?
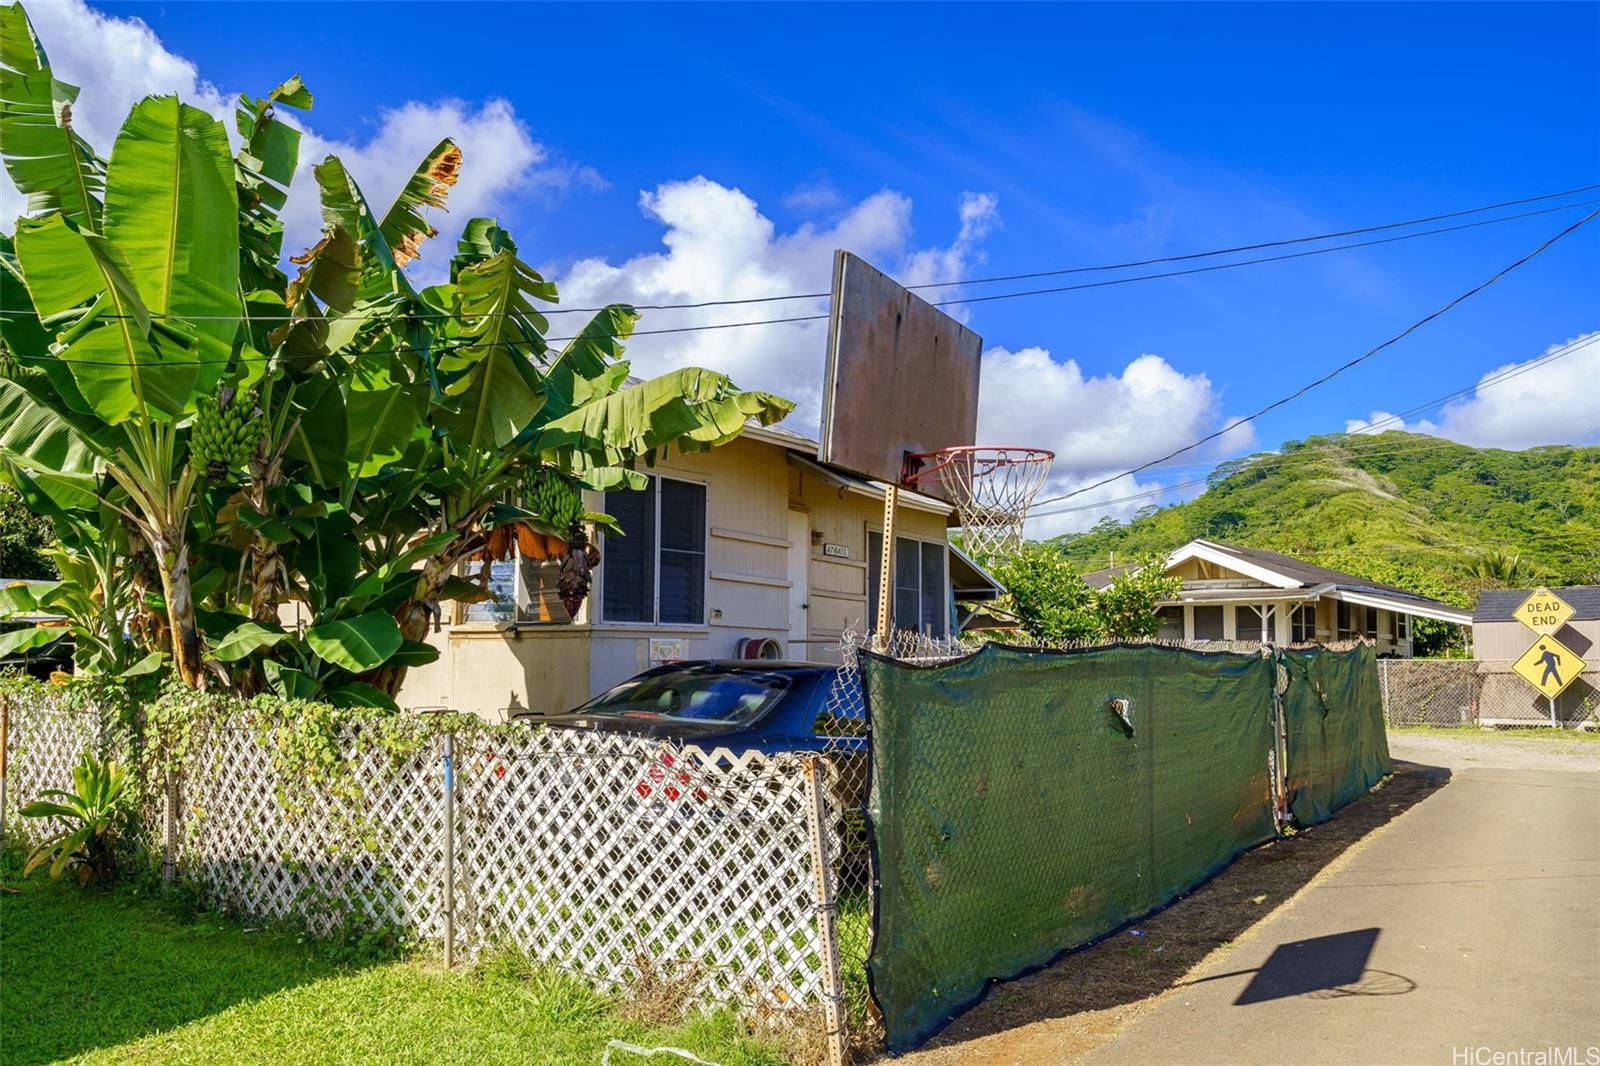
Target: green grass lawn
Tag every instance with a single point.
(102, 976)
(1591, 736)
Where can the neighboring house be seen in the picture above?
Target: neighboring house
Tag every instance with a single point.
(1497, 635)
(751, 546)
(1234, 593)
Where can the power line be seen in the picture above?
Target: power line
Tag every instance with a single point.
(1272, 460)
(1336, 371)
(730, 302)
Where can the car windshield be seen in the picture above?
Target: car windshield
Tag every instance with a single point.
(693, 694)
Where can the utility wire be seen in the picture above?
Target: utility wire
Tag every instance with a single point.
(1336, 371)
(1275, 460)
(546, 312)
(448, 347)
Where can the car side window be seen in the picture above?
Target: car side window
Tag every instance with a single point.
(843, 713)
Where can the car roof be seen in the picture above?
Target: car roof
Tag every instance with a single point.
(750, 666)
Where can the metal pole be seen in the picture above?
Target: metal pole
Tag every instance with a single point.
(1554, 723)
(449, 851)
(827, 913)
(169, 826)
(891, 497)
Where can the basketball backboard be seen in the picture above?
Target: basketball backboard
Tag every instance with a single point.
(902, 376)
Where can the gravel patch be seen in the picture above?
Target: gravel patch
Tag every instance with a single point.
(1485, 750)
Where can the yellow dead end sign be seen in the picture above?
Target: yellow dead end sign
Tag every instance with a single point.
(1549, 666)
(1543, 611)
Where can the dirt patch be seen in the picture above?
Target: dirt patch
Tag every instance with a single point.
(1065, 1010)
(1480, 749)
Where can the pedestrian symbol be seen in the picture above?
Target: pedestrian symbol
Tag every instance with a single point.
(1543, 611)
(1549, 666)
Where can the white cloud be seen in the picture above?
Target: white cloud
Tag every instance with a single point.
(720, 246)
(118, 61)
(1518, 405)
(1098, 426)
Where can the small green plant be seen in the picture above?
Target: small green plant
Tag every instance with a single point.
(91, 811)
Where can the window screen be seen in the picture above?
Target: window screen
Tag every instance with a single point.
(1171, 623)
(627, 563)
(657, 571)
(683, 552)
(1208, 623)
(1303, 624)
(1246, 623)
(920, 599)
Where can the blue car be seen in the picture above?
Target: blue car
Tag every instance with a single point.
(738, 704)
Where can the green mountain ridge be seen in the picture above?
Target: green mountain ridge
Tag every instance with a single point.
(1424, 513)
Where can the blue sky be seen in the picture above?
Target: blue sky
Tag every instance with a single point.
(1074, 135)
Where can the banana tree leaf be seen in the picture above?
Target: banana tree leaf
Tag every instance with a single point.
(344, 206)
(322, 436)
(359, 694)
(268, 526)
(289, 683)
(356, 644)
(148, 665)
(21, 640)
(172, 210)
(331, 271)
(404, 227)
(115, 361)
(692, 407)
(374, 581)
(380, 423)
(328, 560)
(460, 590)
(589, 366)
(47, 490)
(21, 599)
(245, 640)
(20, 330)
(30, 428)
(414, 653)
(46, 160)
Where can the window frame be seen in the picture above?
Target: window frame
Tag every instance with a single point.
(874, 559)
(1309, 628)
(597, 594)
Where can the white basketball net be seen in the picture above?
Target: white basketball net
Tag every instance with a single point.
(992, 488)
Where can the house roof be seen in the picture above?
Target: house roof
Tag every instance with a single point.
(1499, 605)
(1291, 578)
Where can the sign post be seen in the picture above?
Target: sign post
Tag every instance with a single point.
(1549, 665)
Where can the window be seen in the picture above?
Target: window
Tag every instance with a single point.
(1171, 623)
(1303, 624)
(1247, 623)
(656, 572)
(1402, 628)
(1346, 630)
(1208, 623)
(502, 607)
(920, 599)
(1371, 627)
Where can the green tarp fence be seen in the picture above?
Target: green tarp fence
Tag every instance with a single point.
(1333, 730)
(1018, 810)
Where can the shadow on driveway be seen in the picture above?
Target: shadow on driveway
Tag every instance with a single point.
(1090, 993)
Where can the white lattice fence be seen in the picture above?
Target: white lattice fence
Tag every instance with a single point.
(626, 858)
(275, 850)
(45, 739)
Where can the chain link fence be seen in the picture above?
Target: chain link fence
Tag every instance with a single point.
(1485, 693)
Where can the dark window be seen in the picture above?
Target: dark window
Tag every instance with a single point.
(1171, 623)
(1402, 626)
(920, 600)
(1246, 623)
(656, 572)
(1303, 624)
(1372, 623)
(1208, 623)
(1346, 629)
(683, 552)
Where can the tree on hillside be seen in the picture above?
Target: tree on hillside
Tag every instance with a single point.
(1497, 568)
(212, 439)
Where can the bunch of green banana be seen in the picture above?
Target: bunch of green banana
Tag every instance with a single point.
(225, 433)
(556, 501)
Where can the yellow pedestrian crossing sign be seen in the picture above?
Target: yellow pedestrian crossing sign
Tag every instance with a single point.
(1549, 666)
(1544, 611)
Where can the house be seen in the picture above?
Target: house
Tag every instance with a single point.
(753, 549)
(1235, 593)
(1497, 635)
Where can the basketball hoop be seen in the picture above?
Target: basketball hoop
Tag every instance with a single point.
(991, 486)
